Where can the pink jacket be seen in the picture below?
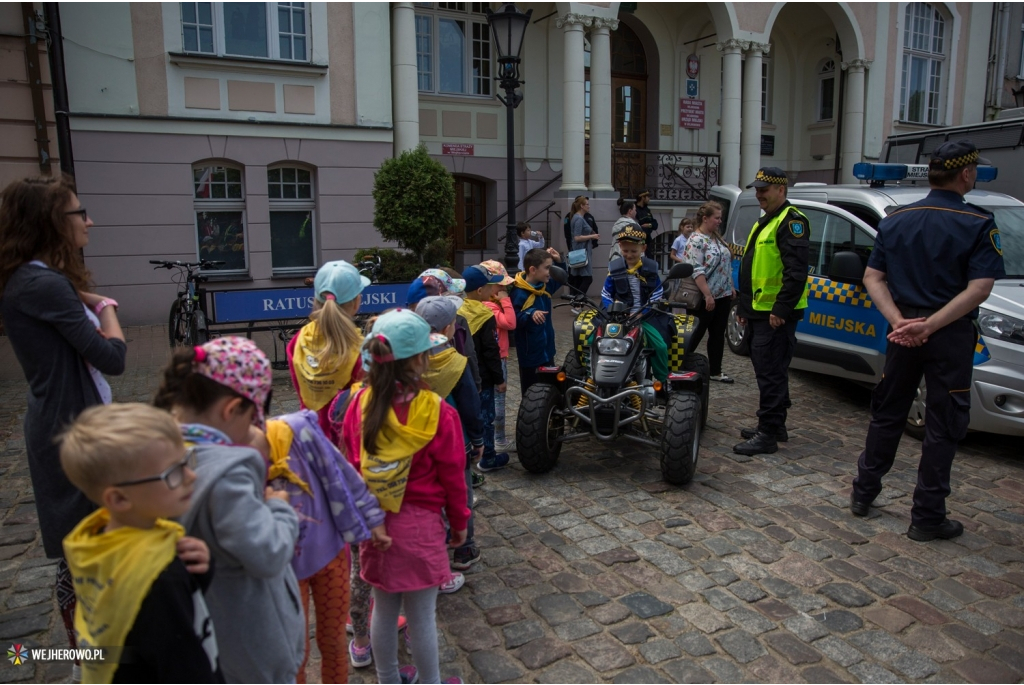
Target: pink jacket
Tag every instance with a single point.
(506, 318)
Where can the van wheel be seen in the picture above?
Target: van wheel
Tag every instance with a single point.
(915, 419)
(700, 364)
(539, 426)
(737, 336)
(680, 441)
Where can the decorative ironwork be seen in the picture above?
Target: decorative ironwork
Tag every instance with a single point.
(671, 176)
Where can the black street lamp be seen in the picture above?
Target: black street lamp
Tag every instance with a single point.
(508, 26)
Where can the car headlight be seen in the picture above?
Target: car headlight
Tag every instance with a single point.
(1000, 326)
(614, 345)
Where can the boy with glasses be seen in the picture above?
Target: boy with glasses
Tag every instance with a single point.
(138, 579)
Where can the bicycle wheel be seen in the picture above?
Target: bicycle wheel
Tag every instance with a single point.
(202, 332)
(176, 326)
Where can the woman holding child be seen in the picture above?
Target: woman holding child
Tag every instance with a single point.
(65, 338)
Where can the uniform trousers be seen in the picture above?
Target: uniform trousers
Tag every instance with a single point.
(946, 361)
(771, 351)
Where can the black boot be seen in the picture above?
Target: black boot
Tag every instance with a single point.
(859, 508)
(781, 436)
(761, 443)
(945, 531)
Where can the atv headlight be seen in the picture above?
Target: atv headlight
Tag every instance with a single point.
(614, 345)
(1000, 326)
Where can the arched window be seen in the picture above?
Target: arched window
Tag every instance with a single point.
(925, 49)
(219, 203)
(826, 89)
(292, 219)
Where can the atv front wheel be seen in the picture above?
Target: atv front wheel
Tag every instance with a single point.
(700, 364)
(680, 441)
(572, 366)
(538, 427)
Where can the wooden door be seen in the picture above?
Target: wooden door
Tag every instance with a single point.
(629, 132)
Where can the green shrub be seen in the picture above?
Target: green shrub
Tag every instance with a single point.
(400, 265)
(414, 201)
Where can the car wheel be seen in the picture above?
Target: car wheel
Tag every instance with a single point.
(736, 335)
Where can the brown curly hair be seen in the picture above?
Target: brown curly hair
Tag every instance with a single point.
(33, 225)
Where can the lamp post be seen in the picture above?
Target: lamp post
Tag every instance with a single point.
(508, 26)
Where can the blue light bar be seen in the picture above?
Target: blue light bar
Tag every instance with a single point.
(879, 173)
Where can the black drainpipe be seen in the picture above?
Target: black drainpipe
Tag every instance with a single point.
(839, 115)
(60, 88)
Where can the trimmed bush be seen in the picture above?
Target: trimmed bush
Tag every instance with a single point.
(414, 201)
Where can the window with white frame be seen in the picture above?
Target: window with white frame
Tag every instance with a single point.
(924, 64)
(271, 30)
(292, 215)
(453, 48)
(219, 203)
(826, 89)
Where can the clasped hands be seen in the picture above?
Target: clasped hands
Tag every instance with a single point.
(910, 332)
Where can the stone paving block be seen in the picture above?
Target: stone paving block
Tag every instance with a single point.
(916, 666)
(695, 644)
(720, 599)
(540, 653)
(747, 591)
(879, 645)
(839, 651)
(566, 672)
(1002, 613)
(686, 671)
(750, 620)
(840, 621)
(889, 619)
(992, 587)
(979, 670)
(569, 582)
(724, 670)
(503, 615)
(610, 613)
(591, 598)
(800, 570)
(656, 651)
(933, 643)
(1011, 657)
(577, 630)
(619, 555)
(645, 605)
(805, 627)
(495, 667)
(557, 609)
(632, 633)
(603, 653)
(598, 545)
(795, 651)
(983, 625)
(473, 636)
(493, 600)
(820, 674)
(941, 601)
(704, 618)
(741, 645)
(806, 603)
(640, 674)
(873, 673)
(846, 595)
(518, 634)
(880, 587)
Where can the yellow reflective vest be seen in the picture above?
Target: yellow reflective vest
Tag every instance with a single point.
(766, 267)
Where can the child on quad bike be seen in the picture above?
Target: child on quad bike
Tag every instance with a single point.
(633, 280)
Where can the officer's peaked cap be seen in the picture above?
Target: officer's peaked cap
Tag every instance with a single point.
(955, 155)
(768, 176)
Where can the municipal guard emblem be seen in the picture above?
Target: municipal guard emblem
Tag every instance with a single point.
(993, 235)
(797, 228)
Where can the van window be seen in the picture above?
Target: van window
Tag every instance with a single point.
(865, 214)
(746, 215)
(1010, 221)
(831, 234)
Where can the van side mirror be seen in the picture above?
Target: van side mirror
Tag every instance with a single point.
(846, 267)
(680, 270)
(558, 275)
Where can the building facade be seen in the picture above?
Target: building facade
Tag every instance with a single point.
(250, 132)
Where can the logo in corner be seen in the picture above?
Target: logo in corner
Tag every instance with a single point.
(797, 228)
(996, 241)
(17, 654)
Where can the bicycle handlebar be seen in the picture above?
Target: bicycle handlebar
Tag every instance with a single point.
(169, 264)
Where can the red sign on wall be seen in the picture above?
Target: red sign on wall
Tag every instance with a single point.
(457, 149)
(691, 113)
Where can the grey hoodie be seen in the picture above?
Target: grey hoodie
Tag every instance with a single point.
(254, 597)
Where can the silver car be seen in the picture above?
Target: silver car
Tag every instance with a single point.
(843, 335)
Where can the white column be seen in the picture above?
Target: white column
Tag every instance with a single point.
(853, 118)
(573, 105)
(405, 87)
(732, 73)
(601, 104)
(750, 145)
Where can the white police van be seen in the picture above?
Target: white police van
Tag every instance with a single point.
(843, 334)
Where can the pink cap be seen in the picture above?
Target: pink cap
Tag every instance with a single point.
(239, 364)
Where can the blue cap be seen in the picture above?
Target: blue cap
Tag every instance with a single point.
(340, 279)
(478, 276)
(406, 333)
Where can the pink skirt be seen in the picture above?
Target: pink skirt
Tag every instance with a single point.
(417, 558)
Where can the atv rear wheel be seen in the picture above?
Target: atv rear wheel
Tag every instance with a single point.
(680, 441)
(538, 427)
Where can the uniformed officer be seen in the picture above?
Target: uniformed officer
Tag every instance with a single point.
(645, 217)
(933, 263)
(773, 296)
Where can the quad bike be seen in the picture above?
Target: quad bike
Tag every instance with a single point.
(606, 390)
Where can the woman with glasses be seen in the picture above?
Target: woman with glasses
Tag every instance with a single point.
(65, 338)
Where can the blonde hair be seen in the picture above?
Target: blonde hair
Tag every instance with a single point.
(107, 442)
(577, 204)
(338, 332)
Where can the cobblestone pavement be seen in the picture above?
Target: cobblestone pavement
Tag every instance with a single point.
(600, 572)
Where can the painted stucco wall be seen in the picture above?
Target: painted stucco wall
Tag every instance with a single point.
(99, 56)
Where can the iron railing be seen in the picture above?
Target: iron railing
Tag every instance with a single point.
(669, 175)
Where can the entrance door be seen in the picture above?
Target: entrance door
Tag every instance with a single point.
(470, 214)
(629, 132)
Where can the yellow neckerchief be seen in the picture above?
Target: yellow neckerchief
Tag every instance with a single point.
(318, 386)
(113, 572)
(387, 472)
(280, 436)
(476, 313)
(445, 369)
(635, 270)
(535, 292)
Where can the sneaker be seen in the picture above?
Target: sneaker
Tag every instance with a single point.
(505, 446)
(721, 378)
(408, 674)
(359, 657)
(453, 584)
(499, 461)
(465, 557)
(478, 479)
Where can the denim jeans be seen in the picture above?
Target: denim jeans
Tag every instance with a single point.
(499, 408)
(487, 415)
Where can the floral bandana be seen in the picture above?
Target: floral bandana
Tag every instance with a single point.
(239, 364)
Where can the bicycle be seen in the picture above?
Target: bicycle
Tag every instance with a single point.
(186, 324)
(371, 267)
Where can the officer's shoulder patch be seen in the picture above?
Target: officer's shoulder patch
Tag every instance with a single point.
(798, 227)
(997, 243)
